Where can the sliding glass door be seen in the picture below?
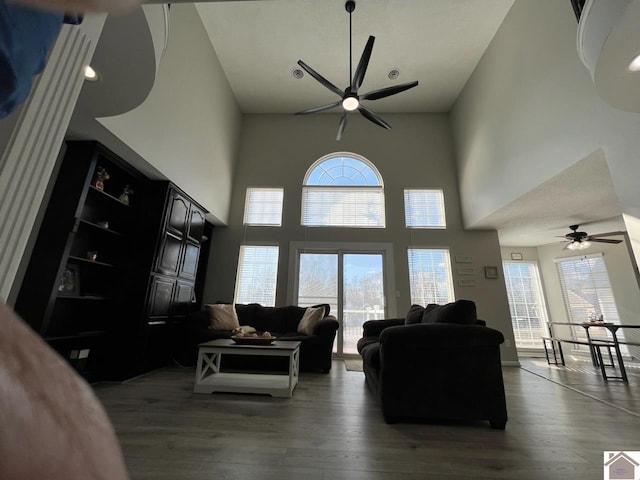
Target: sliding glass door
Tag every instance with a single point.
(351, 282)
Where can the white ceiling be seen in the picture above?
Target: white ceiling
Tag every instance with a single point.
(437, 42)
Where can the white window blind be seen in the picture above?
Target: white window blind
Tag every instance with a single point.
(263, 206)
(257, 275)
(343, 207)
(424, 208)
(430, 276)
(587, 293)
(526, 304)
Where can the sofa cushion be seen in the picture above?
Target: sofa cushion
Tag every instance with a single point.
(222, 317)
(461, 312)
(310, 319)
(414, 315)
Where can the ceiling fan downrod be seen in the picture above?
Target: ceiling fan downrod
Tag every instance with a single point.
(350, 6)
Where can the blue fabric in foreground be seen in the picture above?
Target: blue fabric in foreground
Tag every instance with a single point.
(26, 35)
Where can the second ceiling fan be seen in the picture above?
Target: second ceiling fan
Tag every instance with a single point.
(349, 98)
(582, 240)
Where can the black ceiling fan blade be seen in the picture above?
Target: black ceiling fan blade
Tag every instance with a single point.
(342, 125)
(388, 91)
(608, 234)
(321, 79)
(358, 77)
(319, 109)
(604, 240)
(369, 115)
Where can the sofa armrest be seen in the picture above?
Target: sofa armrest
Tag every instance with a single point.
(327, 326)
(372, 328)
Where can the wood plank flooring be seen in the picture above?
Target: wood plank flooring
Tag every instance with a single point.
(332, 429)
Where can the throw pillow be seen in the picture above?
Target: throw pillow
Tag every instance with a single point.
(414, 315)
(310, 319)
(431, 313)
(461, 312)
(223, 317)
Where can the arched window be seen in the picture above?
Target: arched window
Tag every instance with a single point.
(343, 190)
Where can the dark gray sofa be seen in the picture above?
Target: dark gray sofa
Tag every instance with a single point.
(282, 322)
(433, 369)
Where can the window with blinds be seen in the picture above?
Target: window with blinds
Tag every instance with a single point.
(587, 293)
(526, 303)
(257, 275)
(424, 208)
(430, 278)
(263, 206)
(343, 191)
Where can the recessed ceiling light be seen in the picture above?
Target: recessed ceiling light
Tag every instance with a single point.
(297, 73)
(90, 74)
(634, 66)
(394, 74)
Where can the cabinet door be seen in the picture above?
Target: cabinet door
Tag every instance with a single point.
(183, 299)
(160, 299)
(196, 224)
(189, 266)
(177, 214)
(168, 261)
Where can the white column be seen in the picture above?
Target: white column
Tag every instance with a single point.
(30, 155)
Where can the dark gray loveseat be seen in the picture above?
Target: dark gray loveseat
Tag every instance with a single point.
(282, 322)
(424, 366)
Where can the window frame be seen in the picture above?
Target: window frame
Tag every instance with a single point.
(440, 206)
(239, 294)
(250, 205)
(366, 196)
(448, 272)
(538, 302)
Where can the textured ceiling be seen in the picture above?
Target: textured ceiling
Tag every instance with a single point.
(437, 42)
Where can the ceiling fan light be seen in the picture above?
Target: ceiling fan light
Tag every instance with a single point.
(584, 244)
(574, 246)
(634, 65)
(350, 104)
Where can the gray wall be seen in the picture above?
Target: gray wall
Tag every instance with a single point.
(188, 127)
(277, 150)
(530, 111)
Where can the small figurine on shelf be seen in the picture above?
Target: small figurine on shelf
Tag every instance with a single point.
(124, 196)
(92, 255)
(99, 178)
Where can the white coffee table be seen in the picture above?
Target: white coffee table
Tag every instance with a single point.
(210, 379)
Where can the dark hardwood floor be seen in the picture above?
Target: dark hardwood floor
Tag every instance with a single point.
(333, 429)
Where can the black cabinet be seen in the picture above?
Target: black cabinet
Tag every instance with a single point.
(174, 270)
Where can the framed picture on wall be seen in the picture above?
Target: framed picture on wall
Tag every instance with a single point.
(491, 272)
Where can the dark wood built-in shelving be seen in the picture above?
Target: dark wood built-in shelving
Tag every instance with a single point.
(114, 278)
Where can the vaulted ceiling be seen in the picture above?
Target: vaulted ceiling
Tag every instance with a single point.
(437, 42)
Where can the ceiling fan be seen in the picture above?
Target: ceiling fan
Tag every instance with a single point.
(582, 240)
(349, 99)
